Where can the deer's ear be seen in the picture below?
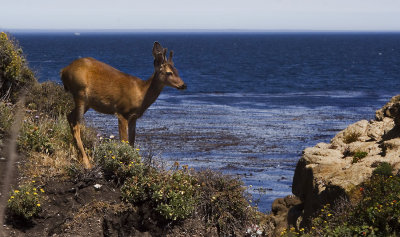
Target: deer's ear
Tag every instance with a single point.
(157, 48)
(165, 55)
(171, 53)
(158, 51)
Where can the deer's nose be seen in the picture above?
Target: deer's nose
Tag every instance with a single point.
(182, 87)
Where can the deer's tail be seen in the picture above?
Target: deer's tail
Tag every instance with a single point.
(64, 79)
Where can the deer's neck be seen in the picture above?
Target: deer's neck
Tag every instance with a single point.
(153, 89)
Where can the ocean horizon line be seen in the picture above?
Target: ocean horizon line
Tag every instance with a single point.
(217, 31)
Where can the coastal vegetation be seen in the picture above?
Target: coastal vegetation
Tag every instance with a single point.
(25, 202)
(123, 187)
(358, 155)
(350, 137)
(14, 71)
(373, 209)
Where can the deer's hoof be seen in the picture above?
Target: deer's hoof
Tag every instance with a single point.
(88, 166)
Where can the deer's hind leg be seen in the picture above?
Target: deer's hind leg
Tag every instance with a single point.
(75, 119)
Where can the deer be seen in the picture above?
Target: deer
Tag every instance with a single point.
(97, 85)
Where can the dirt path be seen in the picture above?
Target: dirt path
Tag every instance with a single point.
(8, 169)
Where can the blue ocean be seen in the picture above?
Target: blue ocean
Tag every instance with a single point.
(254, 100)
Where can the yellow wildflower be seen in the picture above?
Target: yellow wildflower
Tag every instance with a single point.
(16, 191)
(38, 204)
(41, 190)
(12, 197)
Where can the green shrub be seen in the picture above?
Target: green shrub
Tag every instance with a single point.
(377, 213)
(223, 202)
(358, 156)
(136, 189)
(118, 159)
(172, 194)
(334, 221)
(14, 71)
(175, 195)
(24, 202)
(50, 99)
(384, 169)
(380, 209)
(351, 136)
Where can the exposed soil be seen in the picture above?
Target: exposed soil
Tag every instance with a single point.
(76, 208)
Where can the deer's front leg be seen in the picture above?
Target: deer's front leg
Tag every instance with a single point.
(123, 128)
(132, 131)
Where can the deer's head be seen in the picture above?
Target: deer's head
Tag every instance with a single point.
(167, 73)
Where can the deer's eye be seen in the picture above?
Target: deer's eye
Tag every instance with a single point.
(169, 73)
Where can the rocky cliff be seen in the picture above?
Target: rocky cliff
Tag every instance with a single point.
(330, 171)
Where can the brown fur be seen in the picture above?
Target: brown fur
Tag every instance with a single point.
(96, 85)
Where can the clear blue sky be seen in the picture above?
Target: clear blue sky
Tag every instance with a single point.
(361, 15)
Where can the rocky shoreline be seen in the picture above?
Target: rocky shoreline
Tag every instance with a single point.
(329, 172)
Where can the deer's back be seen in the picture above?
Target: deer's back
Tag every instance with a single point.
(101, 85)
(89, 72)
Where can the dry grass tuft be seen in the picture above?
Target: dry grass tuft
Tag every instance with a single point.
(351, 136)
(48, 146)
(45, 166)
